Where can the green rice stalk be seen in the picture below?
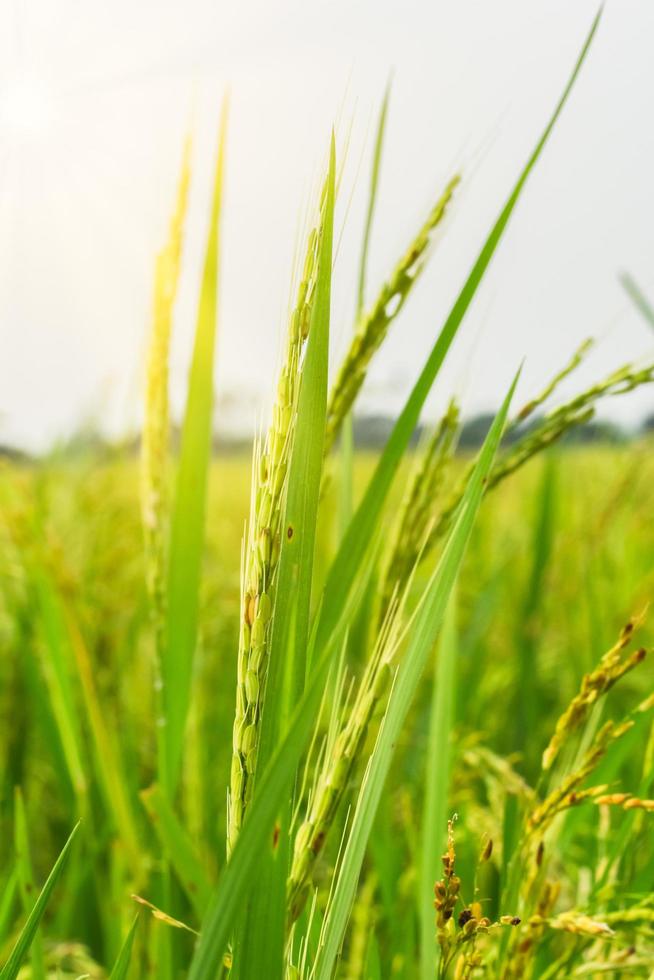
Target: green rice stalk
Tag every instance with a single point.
(339, 763)
(271, 460)
(374, 325)
(567, 794)
(120, 969)
(7, 902)
(178, 848)
(524, 948)
(574, 412)
(156, 427)
(527, 694)
(28, 932)
(372, 200)
(498, 769)
(347, 428)
(155, 503)
(458, 935)
(637, 297)
(535, 403)
(346, 747)
(438, 764)
(561, 420)
(26, 880)
(59, 683)
(346, 449)
(109, 762)
(417, 506)
(364, 915)
(189, 502)
(290, 660)
(594, 685)
(621, 841)
(525, 881)
(420, 501)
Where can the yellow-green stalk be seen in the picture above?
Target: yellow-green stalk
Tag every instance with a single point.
(417, 507)
(374, 324)
(364, 915)
(156, 427)
(552, 427)
(154, 464)
(339, 762)
(271, 460)
(608, 672)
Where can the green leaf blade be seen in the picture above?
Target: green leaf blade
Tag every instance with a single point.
(437, 781)
(189, 504)
(29, 930)
(178, 848)
(121, 966)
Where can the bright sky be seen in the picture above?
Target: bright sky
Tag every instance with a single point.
(95, 99)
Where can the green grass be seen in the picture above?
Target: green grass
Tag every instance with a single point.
(308, 705)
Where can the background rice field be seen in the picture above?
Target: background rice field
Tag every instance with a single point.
(560, 556)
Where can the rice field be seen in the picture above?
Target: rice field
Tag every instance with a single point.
(317, 712)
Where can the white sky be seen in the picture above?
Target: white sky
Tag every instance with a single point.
(95, 99)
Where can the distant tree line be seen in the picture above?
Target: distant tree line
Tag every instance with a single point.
(370, 432)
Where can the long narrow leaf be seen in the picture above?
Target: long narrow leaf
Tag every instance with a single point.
(372, 199)
(121, 966)
(107, 754)
(26, 880)
(347, 433)
(526, 696)
(178, 848)
(57, 671)
(7, 902)
(26, 937)
(189, 505)
(637, 297)
(70, 672)
(437, 779)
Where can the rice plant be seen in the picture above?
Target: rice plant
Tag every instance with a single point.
(369, 738)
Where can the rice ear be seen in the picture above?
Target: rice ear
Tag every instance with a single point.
(373, 325)
(270, 470)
